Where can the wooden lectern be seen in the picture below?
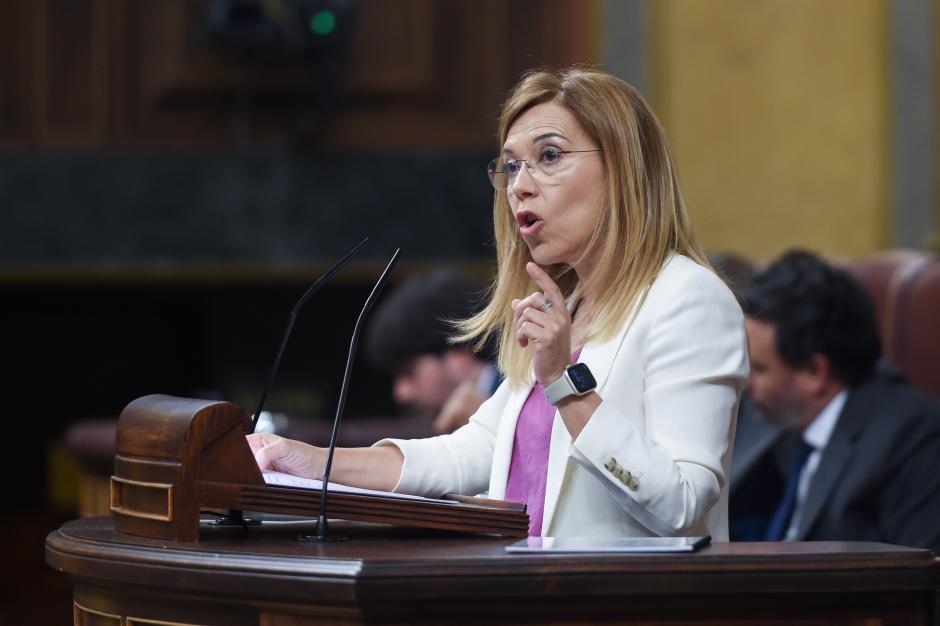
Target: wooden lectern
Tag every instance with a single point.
(177, 456)
(144, 566)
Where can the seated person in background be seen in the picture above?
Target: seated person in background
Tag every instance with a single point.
(408, 338)
(863, 464)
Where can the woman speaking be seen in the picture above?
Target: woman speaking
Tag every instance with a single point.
(624, 355)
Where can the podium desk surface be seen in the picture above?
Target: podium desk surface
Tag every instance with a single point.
(386, 574)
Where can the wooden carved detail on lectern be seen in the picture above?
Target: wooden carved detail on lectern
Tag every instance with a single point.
(83, 616)
(166, 447)
(144, 500)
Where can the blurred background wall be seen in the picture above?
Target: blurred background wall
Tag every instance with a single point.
(174, 173)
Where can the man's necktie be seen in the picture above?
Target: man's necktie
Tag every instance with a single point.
(780, 521)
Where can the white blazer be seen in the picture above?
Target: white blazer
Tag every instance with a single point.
(654, 458)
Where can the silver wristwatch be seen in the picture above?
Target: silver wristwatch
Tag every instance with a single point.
(577, 380)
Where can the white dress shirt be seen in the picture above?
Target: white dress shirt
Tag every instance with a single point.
(817, 435)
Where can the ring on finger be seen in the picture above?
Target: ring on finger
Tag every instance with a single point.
(546, 304)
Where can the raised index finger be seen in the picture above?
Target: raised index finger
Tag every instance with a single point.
(546, 284)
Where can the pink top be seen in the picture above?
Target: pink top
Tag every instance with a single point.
(528, 469)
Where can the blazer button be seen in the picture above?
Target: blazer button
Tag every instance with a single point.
(612, 465)
(632, 485)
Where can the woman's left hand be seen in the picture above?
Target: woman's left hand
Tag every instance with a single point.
(542, 321)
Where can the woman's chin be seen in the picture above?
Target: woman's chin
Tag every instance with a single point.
(542, 255)
(546, 260)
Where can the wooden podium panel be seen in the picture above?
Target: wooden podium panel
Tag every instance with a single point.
(389, 575)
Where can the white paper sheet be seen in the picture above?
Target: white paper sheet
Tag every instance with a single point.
(281, 479)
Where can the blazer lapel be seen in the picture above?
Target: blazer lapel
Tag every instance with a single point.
(505, 438)
(835, 457)
(600, 359)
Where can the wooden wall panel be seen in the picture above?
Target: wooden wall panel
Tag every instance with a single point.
(420, 74)
(15, 86)
(463, 86)
(154, 101)
(71, 49)
(394, 51)
(176, 62)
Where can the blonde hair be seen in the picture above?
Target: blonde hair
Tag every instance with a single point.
(645, 221)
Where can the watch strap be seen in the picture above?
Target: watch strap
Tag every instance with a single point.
(560, 389)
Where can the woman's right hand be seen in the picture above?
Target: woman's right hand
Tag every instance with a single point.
(287, 455)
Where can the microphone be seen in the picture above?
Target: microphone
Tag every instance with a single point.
(321, 519)
(293, 317)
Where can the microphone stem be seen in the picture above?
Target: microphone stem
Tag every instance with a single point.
(290, 325)
(353, 343)
(277, 363)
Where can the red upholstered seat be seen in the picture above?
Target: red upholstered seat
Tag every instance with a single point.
(882, 274)
(905, 288)
(916, 347)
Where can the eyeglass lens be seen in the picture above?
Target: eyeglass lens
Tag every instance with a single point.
(504, 171)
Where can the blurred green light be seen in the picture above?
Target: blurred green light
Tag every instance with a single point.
(323, 23)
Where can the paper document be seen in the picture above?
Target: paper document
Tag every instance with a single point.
(280, 479)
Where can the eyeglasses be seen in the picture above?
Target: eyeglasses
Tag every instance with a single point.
(551, 162)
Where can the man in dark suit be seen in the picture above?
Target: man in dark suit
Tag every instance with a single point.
(862, 464)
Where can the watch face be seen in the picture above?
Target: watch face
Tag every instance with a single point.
(581, 377)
